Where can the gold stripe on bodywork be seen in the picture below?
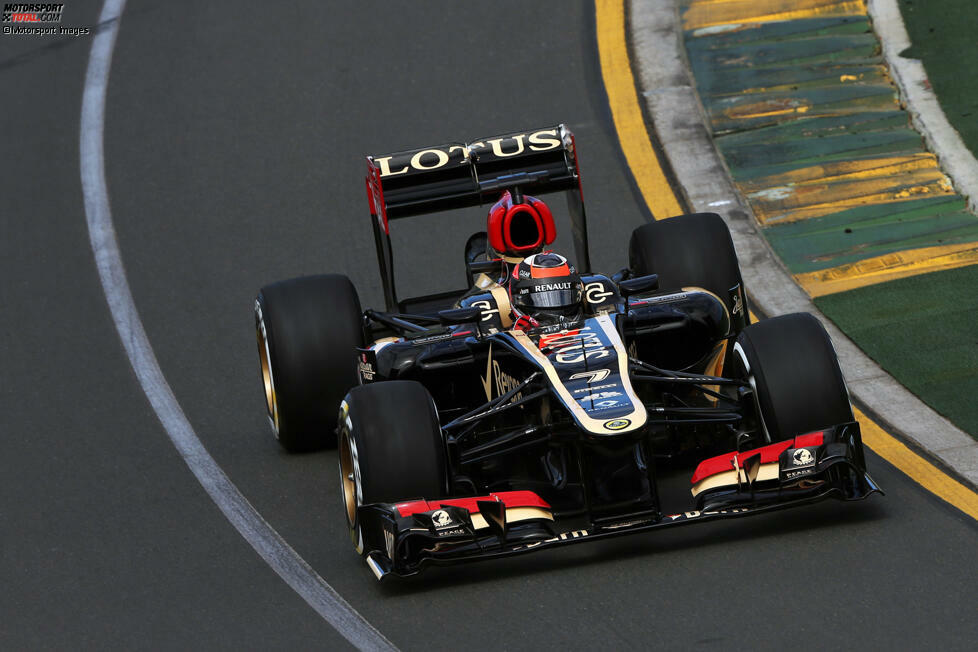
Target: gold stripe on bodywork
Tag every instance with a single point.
(767, 471)
(502, 303)
(513, 515)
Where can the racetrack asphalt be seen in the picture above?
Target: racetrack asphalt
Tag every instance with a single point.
(233, 145)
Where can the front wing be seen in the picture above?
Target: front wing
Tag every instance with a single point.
(400, 539)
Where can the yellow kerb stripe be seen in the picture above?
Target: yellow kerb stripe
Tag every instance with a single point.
(916, 467)
(889, 267)
(626, 112)
(841, 171)
(711, 13)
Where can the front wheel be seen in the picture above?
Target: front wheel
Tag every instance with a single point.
(795, 374)
(390, 448)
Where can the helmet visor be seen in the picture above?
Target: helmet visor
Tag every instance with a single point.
(549, 296)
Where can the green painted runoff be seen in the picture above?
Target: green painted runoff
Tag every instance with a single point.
(922, 329)
(942, 35)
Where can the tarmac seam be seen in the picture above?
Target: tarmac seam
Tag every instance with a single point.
(921, 103)
(259, 534)
(680, 119)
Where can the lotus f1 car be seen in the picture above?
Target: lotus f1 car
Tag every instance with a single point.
(544, 405)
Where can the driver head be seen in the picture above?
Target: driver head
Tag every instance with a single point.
(547, 288)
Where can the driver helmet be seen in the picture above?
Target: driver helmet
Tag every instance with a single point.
(546, 289)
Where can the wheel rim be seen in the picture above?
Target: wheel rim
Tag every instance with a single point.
(268, 381)
(348, 477)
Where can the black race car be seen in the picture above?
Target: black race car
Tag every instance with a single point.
(544, 404)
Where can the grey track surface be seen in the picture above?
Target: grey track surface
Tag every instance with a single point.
(233, 148)
(274, 550)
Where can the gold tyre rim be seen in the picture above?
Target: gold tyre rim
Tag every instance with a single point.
(267, 379)
(348, 477)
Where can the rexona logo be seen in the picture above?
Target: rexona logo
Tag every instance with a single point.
(617, 424)
(503, 381)
(434, 158)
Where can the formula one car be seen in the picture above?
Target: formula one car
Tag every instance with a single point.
(542, 404)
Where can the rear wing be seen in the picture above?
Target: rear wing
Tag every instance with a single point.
(461, 175)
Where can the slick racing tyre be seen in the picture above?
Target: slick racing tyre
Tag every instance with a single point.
(688, 250)
(308, 329)
(390, 448)
(793, 368)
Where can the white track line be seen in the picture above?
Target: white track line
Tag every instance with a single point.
(249, 523)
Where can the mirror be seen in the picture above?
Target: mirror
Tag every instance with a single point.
(459, 316)
(477, 245)
(639, 284)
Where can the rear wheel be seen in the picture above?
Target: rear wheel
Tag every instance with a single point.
(795, 374)
(308, 330)
(390, 448)
(689, 250)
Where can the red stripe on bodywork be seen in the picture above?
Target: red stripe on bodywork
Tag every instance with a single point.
(545, 340)
(509, 498)
(769, 453)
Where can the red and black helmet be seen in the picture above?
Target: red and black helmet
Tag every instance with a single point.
(546, 286)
